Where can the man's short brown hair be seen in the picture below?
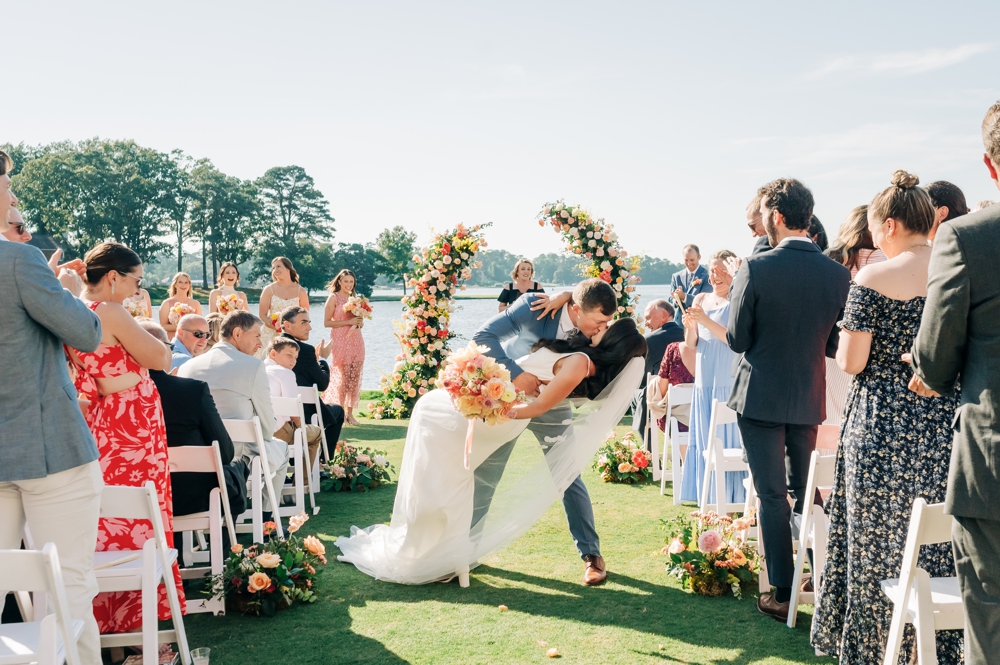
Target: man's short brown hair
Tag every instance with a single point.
(290, 313)
(792, 199)
(279, 343)
(239, 319)
(591, 294)
(991, 133)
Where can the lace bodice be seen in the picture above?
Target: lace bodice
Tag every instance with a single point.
(279, 305)
(541, 362)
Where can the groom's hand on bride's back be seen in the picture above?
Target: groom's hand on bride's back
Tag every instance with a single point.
(527, 382)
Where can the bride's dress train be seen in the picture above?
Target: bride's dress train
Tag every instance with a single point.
(429, 537)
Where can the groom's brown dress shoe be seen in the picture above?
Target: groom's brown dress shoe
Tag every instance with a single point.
(595, 573)
(766, 604)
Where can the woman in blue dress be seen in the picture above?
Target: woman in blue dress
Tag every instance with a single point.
(705, 325)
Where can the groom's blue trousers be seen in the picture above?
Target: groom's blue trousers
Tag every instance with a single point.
(576, 499)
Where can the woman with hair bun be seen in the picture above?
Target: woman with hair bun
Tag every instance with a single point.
(284, 292)
(895, 446)
(125, 417)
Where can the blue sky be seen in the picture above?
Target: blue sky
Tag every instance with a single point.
(663, 117)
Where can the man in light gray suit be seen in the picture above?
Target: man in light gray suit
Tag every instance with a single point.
(592, 305)
(49, 473)
(239, 385)
(959, 339)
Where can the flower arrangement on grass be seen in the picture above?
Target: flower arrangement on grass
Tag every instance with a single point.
(356, 469)
(178, 311)
(265, 578)
(437, 274)
(709, 553)
(622, 461)
(596, 240)
(479, 387)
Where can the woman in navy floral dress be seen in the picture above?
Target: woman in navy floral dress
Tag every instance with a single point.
(894, 446)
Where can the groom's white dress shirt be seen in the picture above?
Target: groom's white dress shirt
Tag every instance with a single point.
(565, 324)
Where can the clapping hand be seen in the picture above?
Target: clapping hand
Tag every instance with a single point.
(917, 384)
(694, 314)
(323, 349)
(733, 264)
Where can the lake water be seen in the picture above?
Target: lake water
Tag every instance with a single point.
(381, 346)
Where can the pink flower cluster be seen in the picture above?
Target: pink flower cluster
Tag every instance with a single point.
(594, 239)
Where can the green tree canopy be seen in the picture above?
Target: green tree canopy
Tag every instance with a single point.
(396, 245)
(364, 261)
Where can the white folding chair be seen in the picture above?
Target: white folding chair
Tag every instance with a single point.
(310, 395)
(651, 434)
(929, 603)
(291, 407)
(677, 395)
(720, 460)
(261, 479)
(141, 570)
(203, 459)
(53, 639)
(813, 532)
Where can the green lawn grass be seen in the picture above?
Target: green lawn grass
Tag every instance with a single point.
(640, 616)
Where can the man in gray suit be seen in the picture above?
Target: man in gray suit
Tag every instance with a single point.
(239, 385)
(959, 339)
(785, 306)
(49, 473)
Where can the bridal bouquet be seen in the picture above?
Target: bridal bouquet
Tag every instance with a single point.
(358, 306)
(622, 461)
(265, 578)
(479, 387)
(710, 552)
(179, 310)
(227, 304)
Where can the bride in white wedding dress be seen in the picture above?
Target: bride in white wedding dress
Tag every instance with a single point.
(430, 536)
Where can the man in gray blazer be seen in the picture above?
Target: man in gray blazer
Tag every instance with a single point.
(785, 306)
(238, 383)
(959, 340)
(49, 473)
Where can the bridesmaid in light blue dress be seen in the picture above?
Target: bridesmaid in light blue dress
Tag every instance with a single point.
(705, 328)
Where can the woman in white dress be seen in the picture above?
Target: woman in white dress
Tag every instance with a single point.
(430, 537)
(284, 292)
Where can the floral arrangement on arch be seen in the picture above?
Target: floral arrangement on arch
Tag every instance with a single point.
(594, 239)
(709, 553)
(356, 469)
(437, 274)
(623, 461)
(178, 311)
(265, 578)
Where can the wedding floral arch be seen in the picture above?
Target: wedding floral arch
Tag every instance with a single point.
(596, 240)
(438, 272)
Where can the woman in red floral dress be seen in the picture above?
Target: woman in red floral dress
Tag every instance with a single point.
(126, 419)
(347, 355)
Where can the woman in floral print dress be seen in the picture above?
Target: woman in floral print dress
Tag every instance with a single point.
(126, 419)
(895, 446)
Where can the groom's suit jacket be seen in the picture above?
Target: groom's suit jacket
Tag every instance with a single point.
(511, 333)
(783, 319)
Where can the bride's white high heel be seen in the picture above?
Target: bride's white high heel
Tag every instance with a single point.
(463, 577)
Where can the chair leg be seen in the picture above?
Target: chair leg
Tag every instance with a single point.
(677, 472)
(800, 562)
(150, 629)
(257, 498)
(703, 494)
(924, 621)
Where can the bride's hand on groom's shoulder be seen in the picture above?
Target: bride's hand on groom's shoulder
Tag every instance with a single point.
(546, 304)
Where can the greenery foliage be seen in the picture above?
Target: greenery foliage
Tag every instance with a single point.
(396, 246)
(357, 469)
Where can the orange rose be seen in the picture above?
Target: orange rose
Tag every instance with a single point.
(258, 582)
(314, 545)
(496, 388)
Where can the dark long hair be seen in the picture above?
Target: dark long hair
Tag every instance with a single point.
(620, 344)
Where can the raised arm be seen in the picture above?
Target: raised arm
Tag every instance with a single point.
(940, 346)
(263, 311)
(740, 333)
(52, 306)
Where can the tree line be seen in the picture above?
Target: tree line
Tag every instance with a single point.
(80, 194)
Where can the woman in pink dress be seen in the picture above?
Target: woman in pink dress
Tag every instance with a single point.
(126, 419)
(347, 358)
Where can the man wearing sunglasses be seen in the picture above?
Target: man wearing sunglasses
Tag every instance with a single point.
(190, 339)
(16, 231)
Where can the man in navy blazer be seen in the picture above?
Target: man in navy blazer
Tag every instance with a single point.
(511, 334)
(693, 279)
(785, 306)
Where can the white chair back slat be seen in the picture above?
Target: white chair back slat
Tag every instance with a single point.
(248, 431)
(291, 407)
(310, 395)
(677, 395)
(204, 459)
(813, 531)
(718, 462)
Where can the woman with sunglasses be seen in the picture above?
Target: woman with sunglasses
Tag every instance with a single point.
(125, 415)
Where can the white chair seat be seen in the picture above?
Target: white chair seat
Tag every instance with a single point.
(19, 641)
(945, 594)
(127, 573)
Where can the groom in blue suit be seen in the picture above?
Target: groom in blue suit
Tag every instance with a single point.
(511, 334)
(693, 279)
